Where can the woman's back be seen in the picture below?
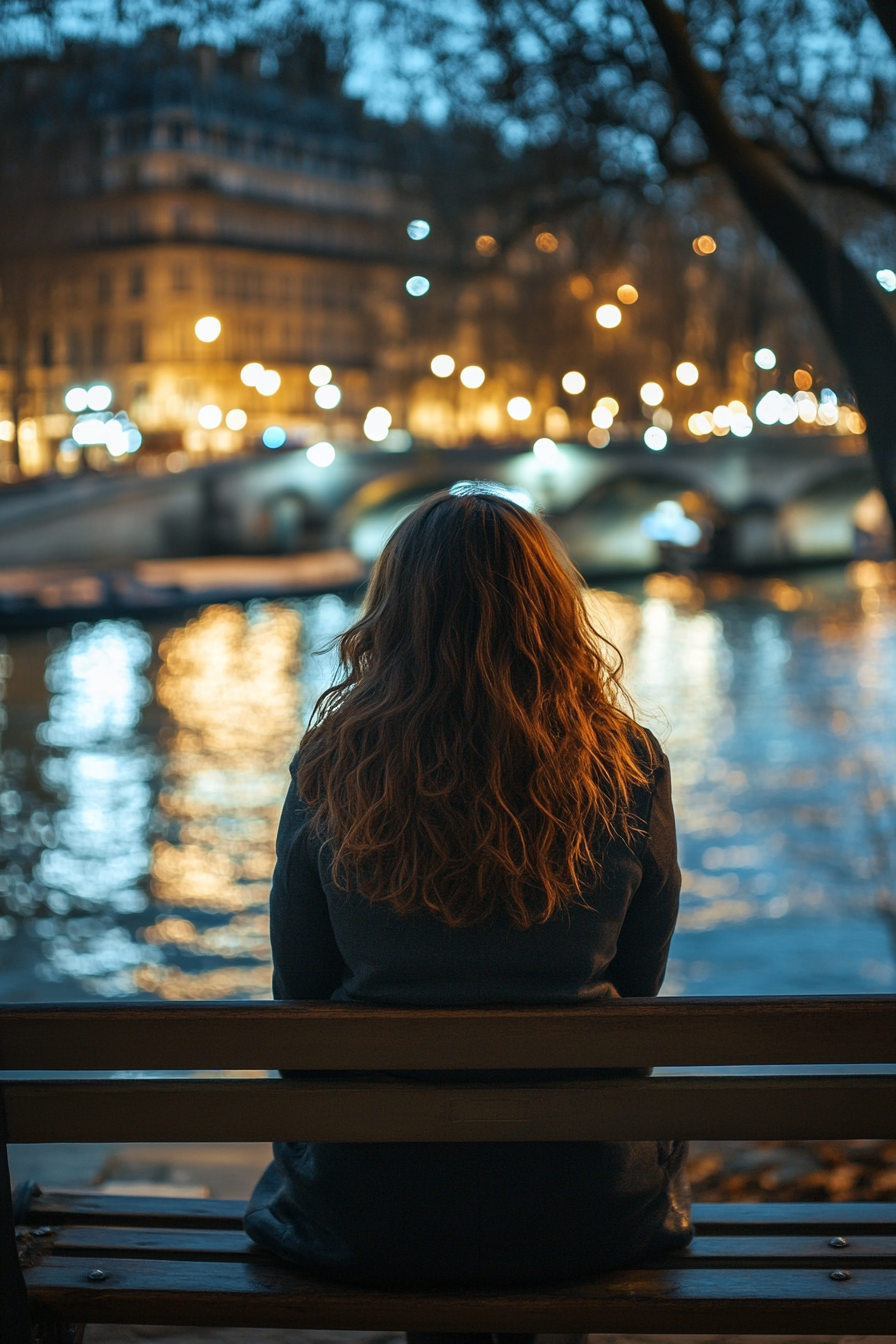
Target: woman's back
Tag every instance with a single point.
(466, 905)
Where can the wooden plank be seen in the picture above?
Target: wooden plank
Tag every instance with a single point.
(851, 1218)
(704, 1251)
(170, 1292)
(55, 1208)
(847, 1219)
(339, 1111)
(854, 1029)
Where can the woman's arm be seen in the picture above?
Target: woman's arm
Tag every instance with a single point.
(307, 960)
(638, 967)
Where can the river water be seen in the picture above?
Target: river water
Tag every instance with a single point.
(142, 768)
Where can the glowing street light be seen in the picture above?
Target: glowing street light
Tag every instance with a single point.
(687, 373)
(321, 454)
(765, 358)
(236, 419)
(76, 400)
(320, 374)
(573, 382)
(250, 373)
(377, 424)
(442, 366)
(328, 396)
(608, 315)
(651, 394)
(627, 294)
(472, 376)
(268, 382)
(208, 329)
(546, 451)
(602, 417)
(609, 404)
(655, 438)
(209, 416)
(519, 408)
(99, 397)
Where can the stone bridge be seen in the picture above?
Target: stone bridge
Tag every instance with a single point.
(761, 500)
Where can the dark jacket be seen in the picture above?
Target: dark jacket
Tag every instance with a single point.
(465, 1213)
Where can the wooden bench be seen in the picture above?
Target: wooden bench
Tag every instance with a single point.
(761, 1268)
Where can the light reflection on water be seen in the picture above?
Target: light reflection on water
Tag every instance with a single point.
(140, 792)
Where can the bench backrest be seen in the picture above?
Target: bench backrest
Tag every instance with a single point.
(357, 1060)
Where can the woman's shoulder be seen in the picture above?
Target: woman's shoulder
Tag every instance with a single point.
(648, 751)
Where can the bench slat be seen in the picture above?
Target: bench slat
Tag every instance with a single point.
(339, 1111)
(854, 1029)
(703, 1252)
(163, 1292)
(846, 1219)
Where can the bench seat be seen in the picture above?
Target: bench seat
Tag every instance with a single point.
(188, 1262)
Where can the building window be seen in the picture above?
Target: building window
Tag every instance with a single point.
(180, 278)
(135, 343)
(181, 221)
(75, 347)
(46, 349)
(98, 343)
(104, 287)
(136, 282)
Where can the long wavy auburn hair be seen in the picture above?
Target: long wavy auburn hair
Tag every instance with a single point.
(475, 756)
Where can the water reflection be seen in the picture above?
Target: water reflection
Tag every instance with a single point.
(137, 820)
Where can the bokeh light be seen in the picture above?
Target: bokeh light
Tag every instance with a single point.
(320, 374)
(472, 376)
(418, 229)
(886, 279)
(76, 400)
(627, 294)
(417, 286)
(236, 419)
(546, 242)
(209, 416)
(580, 287)
(377, 423)
(99, 396)
(687, 373)
(573, 382)
(519, 408)
(442, 366)
(268, 382)
(274, 436)
(546, 451)
(602, 417)
(250, 373)
(486, 245)
(208, 329)
(651, 394)
(655, 438)
(609, 404)
(764, 358)
(321, 454)
(705, 245)
(608, 315)
(328, 396)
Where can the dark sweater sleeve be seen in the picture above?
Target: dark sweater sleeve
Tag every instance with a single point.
(307, 960)
(638, 967)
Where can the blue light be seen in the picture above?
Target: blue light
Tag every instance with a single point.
(418, 229)
(417, 286)
(274, 437)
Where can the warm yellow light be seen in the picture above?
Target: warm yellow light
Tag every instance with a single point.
(580, 287)
(687, 373)
(486, 245)
(208, 329)
(803, 379)
(442, 366)
(472, 376)
(519, 408)
(236, 419)
(598, 438)
(627, 294)
(320, 375)
(651, 394)
(268, 382)
(700, 424)
(546, 242)
(721, 418)
(573, 382)
(609, 404)
(250, 373)
(209, 417)
(7, 431)
(608, 315)
(601, 417)
(737, 407)
(704, 245)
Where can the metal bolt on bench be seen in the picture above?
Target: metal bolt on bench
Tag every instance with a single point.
(753, 1268)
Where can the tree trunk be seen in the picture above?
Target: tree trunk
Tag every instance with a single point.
(853, 317)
